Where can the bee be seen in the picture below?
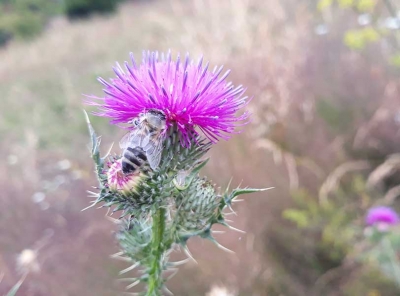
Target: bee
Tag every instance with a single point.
(144, 143)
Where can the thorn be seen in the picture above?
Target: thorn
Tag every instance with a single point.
(92, 205)
(233, 228)
(174, 272)
(237, 200)
(218, 231)
(113, 220)
(127, 279)
(219, 245)
(167, 290)
(177, 263)
(132, 285)
(187, 252)
(268, 188)
(108, 152)
(129, 268)
(122, 258)
(86, 116)
(229, 184)
(232, 211)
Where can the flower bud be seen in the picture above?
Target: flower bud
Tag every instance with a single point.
(123, 183)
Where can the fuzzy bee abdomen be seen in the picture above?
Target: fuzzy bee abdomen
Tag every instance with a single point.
(133, 159)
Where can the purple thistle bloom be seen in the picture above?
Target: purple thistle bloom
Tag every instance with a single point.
(188, 93)
(381, 216)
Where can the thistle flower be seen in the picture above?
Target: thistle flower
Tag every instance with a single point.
(118, 181)
(381, 217)
(188, 93)
(163, 208)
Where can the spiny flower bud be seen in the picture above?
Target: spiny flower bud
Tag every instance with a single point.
(196, 207)
(120, 182)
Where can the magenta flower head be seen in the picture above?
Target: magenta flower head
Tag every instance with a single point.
(191, 97)
(381, 217)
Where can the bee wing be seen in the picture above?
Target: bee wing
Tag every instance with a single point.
(134, 138)
(153, 151)
(145, 140)
(126, 139)
(138, 138)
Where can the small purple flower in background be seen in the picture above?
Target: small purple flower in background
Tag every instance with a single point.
(381, 217)
(188, 93)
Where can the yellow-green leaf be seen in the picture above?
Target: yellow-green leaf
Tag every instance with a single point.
(323, 4)
(297, 216)
(345, 3)
(370, 34)
(395, 60)
(366, 5)
(354, 39)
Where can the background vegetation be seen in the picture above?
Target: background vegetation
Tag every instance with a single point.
(325, 133)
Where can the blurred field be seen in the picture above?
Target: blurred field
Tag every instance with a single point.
(317, 105)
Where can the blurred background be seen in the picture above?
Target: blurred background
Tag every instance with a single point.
(325, 77)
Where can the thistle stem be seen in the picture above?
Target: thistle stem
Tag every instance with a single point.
(155, 278)
(394, 261)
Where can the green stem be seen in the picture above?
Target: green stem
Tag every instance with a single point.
(394, 261)
(157, 247)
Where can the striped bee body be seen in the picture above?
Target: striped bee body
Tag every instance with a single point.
(133, 159)
(144, 144)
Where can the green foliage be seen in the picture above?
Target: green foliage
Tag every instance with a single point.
(25, 18)
(358, 39)
(360, 5)
(43, 7)
(395, 60)
(20, 25)
(300, 217)
(324, 4)
(330, 226)
(366, 5)
(83, 8)
(327, 225)
(339, 119)
(345, 3)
